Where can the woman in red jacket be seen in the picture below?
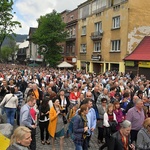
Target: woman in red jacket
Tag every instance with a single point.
(74, 95)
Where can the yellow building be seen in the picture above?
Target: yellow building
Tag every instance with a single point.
(109, 30)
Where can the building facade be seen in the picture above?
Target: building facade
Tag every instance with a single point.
(109, 30)
(32, 54)
(69, 47)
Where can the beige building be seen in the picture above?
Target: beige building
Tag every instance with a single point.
(109, 30)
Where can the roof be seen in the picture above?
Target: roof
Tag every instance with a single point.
(142, 51)
(24, 44)
(32, 30)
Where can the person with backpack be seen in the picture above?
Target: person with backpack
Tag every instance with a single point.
(80, 128)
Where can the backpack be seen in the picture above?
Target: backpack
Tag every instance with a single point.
(70, 126)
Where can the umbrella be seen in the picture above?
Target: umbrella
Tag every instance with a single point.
(33, 65)
(64, 64)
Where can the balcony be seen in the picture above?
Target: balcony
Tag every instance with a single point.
(96, 35)
(71, 38)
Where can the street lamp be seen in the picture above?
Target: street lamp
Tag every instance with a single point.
(42, 49)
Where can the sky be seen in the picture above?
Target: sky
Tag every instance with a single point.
(28, 11)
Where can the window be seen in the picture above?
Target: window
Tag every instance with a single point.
(73, 48)
(83, 48)
(71, 17)
(84, 30)
(62, 48)
(116, 22)
(67, 49)
(115, 45)
(71, 32)
(74, 30)
(98, 27)
(97, 47)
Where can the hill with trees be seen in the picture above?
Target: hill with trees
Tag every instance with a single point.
(18, 38)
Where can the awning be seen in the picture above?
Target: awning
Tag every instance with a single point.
(141, 52)
(64, 64)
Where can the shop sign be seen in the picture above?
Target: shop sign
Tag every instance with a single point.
(129, 63)
(144, 64)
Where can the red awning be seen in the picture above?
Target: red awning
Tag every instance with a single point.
(142, 51)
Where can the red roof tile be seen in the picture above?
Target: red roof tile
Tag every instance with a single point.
(142, 51)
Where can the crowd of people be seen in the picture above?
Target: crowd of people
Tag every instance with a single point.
(117, 104)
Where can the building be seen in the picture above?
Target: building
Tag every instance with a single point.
(69, 47)
(139, 60)
(23, 52)
(32, 54)
(108, 31)
(71, 41)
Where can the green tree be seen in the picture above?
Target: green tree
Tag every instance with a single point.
(7, 25)
(5, 53)
(50, 32)
(14, 48)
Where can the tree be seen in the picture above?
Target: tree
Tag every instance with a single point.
(7, 25)
(5, 53)
(50, 32)
(8, 52)
(14, 48)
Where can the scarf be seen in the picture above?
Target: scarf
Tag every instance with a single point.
(84, 118)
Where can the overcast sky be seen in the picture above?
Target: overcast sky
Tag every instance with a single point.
(28, 11)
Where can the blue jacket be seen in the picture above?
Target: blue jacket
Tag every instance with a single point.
(78, 128)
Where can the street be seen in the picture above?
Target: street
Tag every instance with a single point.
(68, 144)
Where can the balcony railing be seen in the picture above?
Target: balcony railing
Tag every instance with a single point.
(96, 35)
(71, 37)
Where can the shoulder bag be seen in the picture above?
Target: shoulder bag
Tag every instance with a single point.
(7, 101)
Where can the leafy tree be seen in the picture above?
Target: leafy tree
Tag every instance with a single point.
(14, 48)
(5, 53)
(50, 32)
(7, 25)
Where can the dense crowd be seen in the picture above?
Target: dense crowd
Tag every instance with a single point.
(73, 103)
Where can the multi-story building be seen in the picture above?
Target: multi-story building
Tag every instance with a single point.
(63, 44)
(69, 47)
(71, 41)
(109, 30)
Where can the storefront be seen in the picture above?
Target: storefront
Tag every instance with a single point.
(139, 60)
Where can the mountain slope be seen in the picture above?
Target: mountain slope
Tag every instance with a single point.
(18, 38)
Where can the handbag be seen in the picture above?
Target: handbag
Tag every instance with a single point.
(65, 120)
(113, 125)
(7, 101)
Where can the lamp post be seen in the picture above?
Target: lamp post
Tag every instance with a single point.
(42, 49)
